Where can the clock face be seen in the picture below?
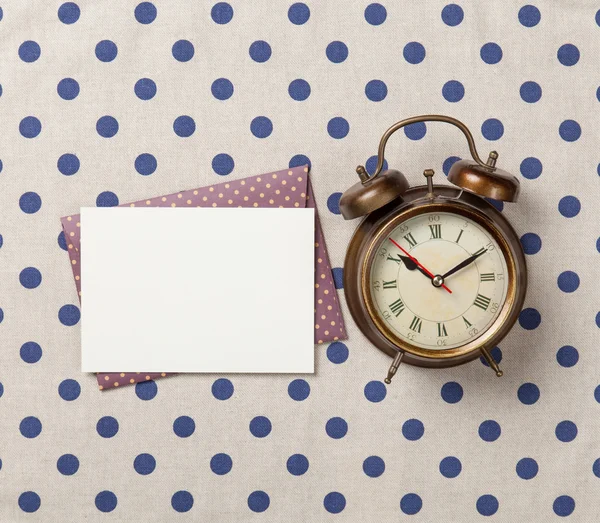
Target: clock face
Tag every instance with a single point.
(438, 280)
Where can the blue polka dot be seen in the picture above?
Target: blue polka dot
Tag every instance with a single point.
(491, 53)
(299, 89)
(338, 127)
(336, 428)
(145, 164)
(566, 431)
(297, 464)
(375, 14)
(184, 126)
(528, 393)
(569, 206)
(596, 468)
(568, 281)
(260, 51)
(107, 426)
(223, 164)
(598, 319)
(597, 17)
(144, 464)
(0, 95)
(338, 277)
(29, 51)
(68, 164)
(221, 464)
(69, 389)
(376, 90)
(597, 393)
(563, 506)
(222, 89)
(1, 165)
(375, 391)
(146, 390)
(260, 426)
(567, 356)
(415, 131)
(568, 54)
(258, 501)
(145, 13)
(411, 504)
(497, 204)
(222, 389)
(30, 202)
(107, 126)
(448, 163)
(530, 92)
(453, 91)
(298, 160)
(1, 393)
(1, 13)
(222, 13)
(597, 244)
(529, 15)
(569, 131)
(106, 501)
(29, 501)
(530, 318)
(106, 51)
(184, 426)
(68, 13)
(67, 464)
(413, 429)
(1, 241)
(527, 468)
(182, 501)
(30, 277)
(298, 13)
(107, 199)
(489, 430)
(334, 502)
(371, 164)
(30, 127)
(183, 50)
(68, 89)
(452, 15)
(337, 352)
(373, 466)
(487, 505)
(531, 243)
(30, 427)
(337, 52)
(450, 467)
(299, 389)
(261, 127)
(145, 89)
(452, 392)
(492, 129)
(69, 315)
(30, 352)
(414, 53)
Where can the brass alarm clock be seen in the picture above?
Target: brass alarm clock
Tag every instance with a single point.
(434, 275)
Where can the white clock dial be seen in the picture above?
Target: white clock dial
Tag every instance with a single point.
(468, 300)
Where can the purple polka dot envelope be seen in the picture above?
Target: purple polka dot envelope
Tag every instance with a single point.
(288, 188)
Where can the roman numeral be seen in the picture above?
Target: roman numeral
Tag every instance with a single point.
(415, 324)
(442, 330)
(467, 322)
(397, 260)
(389, 284)
(488, 276)
(436, 231)
(397, 307)
(410, 239)
(459, 235)
(482, 302)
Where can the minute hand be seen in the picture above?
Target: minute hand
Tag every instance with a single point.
(464, 263)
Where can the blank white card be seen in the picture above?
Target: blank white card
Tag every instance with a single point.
(197, 290)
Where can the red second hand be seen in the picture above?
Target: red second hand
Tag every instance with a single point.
(418, 263)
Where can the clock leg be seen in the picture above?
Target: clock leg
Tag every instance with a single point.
(394, 367)
(491, 361)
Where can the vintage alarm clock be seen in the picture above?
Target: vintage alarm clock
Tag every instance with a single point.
(434, 275)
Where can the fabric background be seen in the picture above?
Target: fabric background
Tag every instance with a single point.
(523, 78)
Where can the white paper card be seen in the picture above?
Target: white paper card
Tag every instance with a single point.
(197, 290)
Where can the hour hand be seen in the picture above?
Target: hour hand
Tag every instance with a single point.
(411, 265)
(464, 263)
